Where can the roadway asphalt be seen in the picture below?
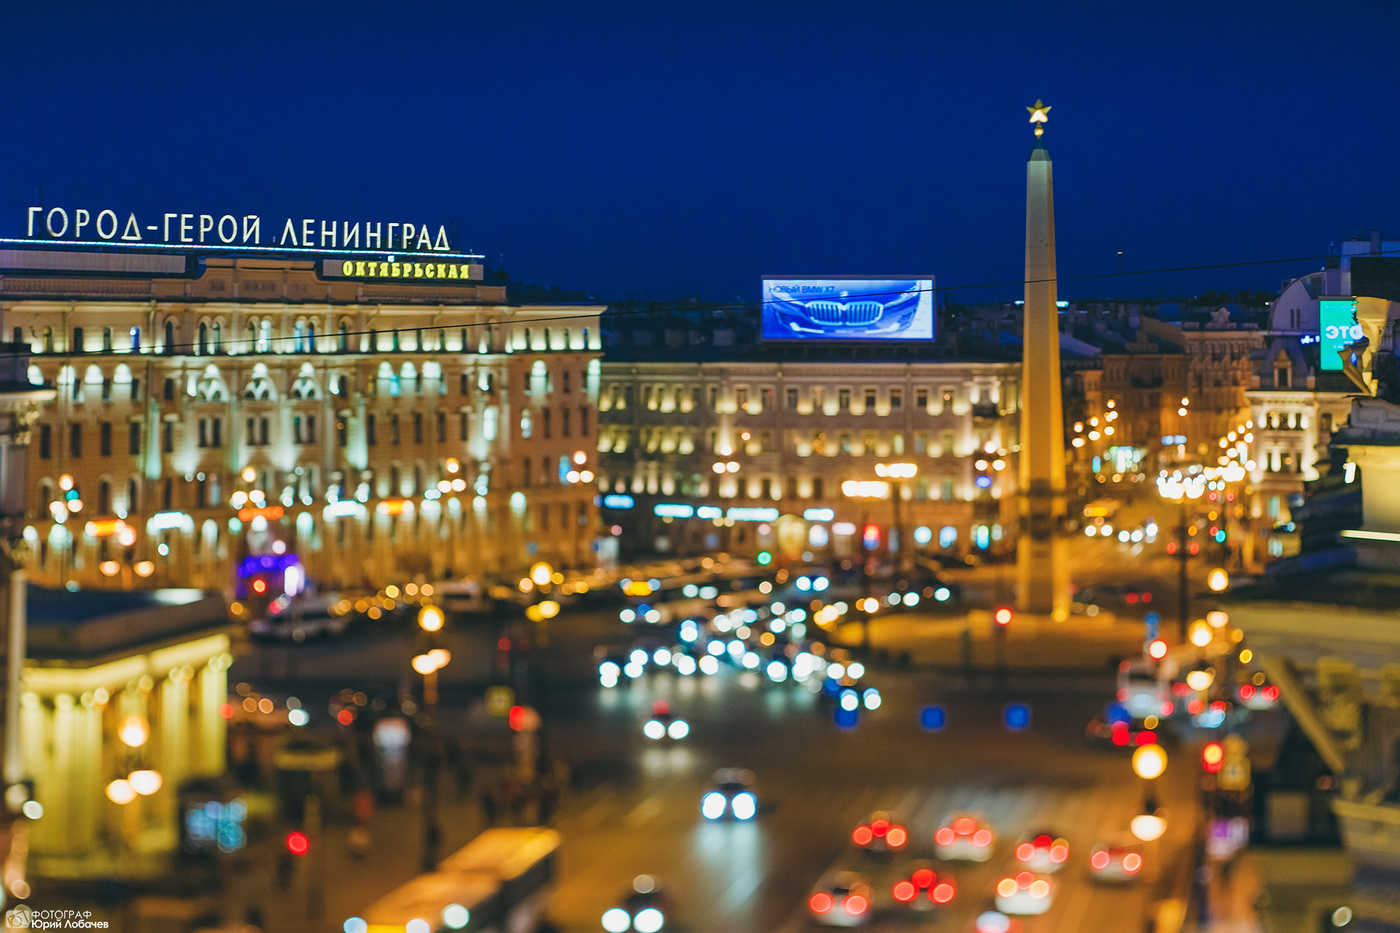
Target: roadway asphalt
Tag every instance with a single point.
(634, 804)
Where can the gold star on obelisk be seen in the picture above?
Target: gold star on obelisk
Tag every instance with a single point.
(1040, 115)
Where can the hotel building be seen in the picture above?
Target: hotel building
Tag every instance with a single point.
(362, 430)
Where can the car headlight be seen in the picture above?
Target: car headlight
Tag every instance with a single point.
(617, 920)
(653, 729)
(708, 665)
(744, 806)
(712, 805)
(638, 656)
(678, 729)
(648, 920)
(872, 698)
(661, 656)
(609, 669)
(777, 671)
(685, 664)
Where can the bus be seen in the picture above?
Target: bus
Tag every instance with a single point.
(500, 882)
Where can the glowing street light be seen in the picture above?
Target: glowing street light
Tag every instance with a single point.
(1218, 580)
(134, 732)
(430, 618)
(541, 574)
(1149, 761)
(1148, 826)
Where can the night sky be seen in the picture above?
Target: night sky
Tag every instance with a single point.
(664, 149)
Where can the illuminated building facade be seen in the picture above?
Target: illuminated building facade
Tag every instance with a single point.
(774, 442)
(219, 408)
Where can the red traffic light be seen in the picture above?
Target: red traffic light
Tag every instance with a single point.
(871, 533)
(1213, 757)
(1002, 616)
(1157, 649)
(516, 718)
(298, 843)
(1171, 547)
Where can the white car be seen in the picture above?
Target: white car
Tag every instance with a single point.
(1025, 893)
(665, 724)
(841, 900)
(1115, 863)
(963, 837)
(1042, 852)
(880, 834)
(732, 795)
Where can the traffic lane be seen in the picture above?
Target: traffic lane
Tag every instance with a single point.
(814, 786)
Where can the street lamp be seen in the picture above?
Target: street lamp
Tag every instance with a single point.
(428, 663)
(898, 472)
(865, 491)
(1149, 762)
(1182, 490)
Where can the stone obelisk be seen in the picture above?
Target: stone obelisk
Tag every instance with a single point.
(1042, 567)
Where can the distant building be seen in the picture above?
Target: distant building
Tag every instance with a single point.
(709, 440)
(212, 409)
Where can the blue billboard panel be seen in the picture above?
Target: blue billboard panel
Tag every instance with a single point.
(1339, 330)
(818, 308)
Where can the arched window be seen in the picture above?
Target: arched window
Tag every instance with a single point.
(133, 501)
(203, 338)
(251, 337)
(104, 497)
(343, 344)
(170, 337)
(265, 337)
(218, 337)
(310, 336)
(299, 337)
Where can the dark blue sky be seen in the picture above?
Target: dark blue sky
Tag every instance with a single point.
(666, 149)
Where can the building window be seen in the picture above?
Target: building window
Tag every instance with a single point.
(583, 421)
(203, 432)
(75, 440)
(417, 427)
(104, 498)
(566, 386)
(77, 340)
(525, 473)
(133, 438)
(791, 398)
(169, 390)
(765, 397)
(564, 421)
(104, 439)
(394, 427)
(545, 421)
(106, 390)
(869, 399)
(167, 494)
(741, 398)
(843, 400)
(106, 340)
(462, 425)
(817, 490)
(45, 441)
(1282, 377)
(442, 427)
(371, 434)
(167, 436)
(896, 399)
(216, 432)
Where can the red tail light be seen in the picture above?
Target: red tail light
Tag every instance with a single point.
(1147, 597)
(896, 837)
(1099, 860)
(1023, 879)
(1123, 694)
(862, 836)
(1146, 737)
(1132, 862)
(820, 902)
(1043, 840)
(944, 836)
(1168, 708)
(1059, 853)
(1212, 757)
(981, 838)
(964, 825)
(1271, 692)
(1025, 851)
(856, 904)
(924, 877)
(942, 893)
(1246, 691)
(1120, 733)
(1131, 599)
(880, 827)
(1194, 707)
(904, 891)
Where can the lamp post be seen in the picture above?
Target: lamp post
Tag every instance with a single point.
(428, 663)
(1182, 490)
(865, 491)
(1149, 761)
(898, 472)
(140, 780)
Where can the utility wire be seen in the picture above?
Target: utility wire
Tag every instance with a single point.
(613, 313)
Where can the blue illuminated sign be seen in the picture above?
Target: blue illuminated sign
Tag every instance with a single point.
(673, 510)
(709, 511)
(933, 718)
(618, 501)
(1338, 329)
(819, 515)
(266, 563)
(744, 514)
(819, 308)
